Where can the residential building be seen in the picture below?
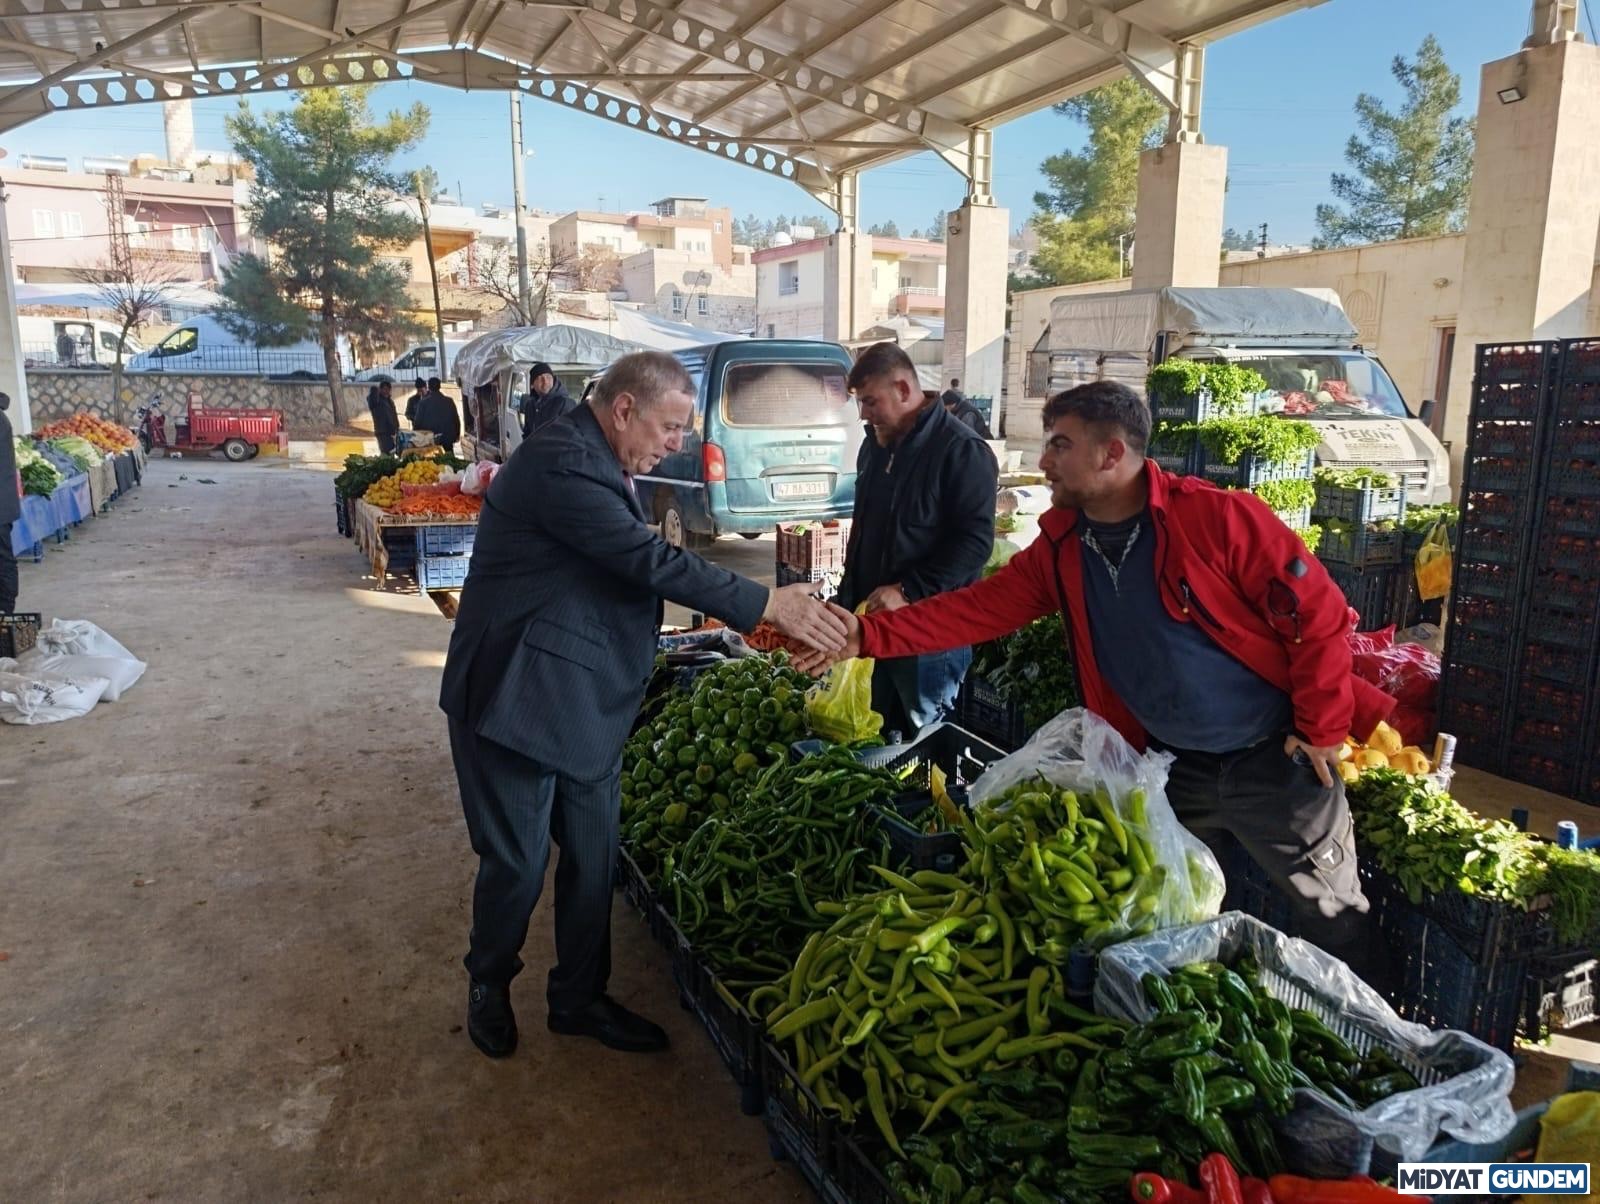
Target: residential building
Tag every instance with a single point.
(907, 279)
(60, 226)
(686, 286)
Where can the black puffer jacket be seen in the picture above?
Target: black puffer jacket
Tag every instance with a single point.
(10, 503)
(924, 512)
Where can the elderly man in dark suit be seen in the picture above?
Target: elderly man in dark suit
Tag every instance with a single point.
(554, 642)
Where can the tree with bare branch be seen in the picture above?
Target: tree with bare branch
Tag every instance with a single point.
(548, 272)
(599, 269)
(134, 287)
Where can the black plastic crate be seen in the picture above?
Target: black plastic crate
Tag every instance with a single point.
(401, 546)
(1504, 546)
(19, 632)
(797, 1125)
(1250, 890)
(1558, 663)
(1572, 473)
(1500, 473)
(1510, 380)
(1513, 439)
(961, 753)
(984, 709)
(1487, 579)
(1359, 506)
(1193, 407)
(1570, 516)
(1472, 646)
(1181, 463)
(1555, 704)
(1497, 509)
(735, 1034)
(785, 575)
(1445, 978)
(635, 888)
(1549, 768)
(1249, 471)
(1368, 591)
(1359, 547)
(1560, 999)
(341, 511)
(1560, 627)
(1575, 554)
(902, 820)
(856, 1173)
(1476, 684)
(1491, 617)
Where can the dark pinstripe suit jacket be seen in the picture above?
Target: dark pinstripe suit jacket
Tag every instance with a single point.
(555, 636)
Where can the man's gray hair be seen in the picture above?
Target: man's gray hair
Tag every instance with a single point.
(648, 375)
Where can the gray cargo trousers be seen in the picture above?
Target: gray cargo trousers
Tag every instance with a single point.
(1296, 829)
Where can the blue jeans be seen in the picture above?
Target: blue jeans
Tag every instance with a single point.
(912, 692)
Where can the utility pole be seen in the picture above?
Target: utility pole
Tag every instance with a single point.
(1261, 247)
(423, 178)
(524, 288)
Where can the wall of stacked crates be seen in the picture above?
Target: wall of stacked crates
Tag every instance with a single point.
(1522, 647)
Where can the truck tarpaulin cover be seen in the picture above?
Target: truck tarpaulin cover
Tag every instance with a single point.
(563, 347)
(1129, 322)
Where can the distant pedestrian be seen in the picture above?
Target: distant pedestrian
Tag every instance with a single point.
(10, 510)
(963, 411)
(438, 414)
(66, 347)
(953, 394)
(415, 400)
(385, 422)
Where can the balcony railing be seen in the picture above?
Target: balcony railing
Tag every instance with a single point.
(788, 288)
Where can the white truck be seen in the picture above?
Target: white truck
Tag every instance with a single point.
(418, 361)
(1300, 340)
(203, 344)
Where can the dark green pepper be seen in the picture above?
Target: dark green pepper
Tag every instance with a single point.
(1159, 992)
(1218, 1137)
(1023, 1137)
(1103, 1149)
(1083, 1114)
(1198, 1037)
(1237, 1028)
(1228, 1094)
(1189, 1082)
(1307, 1024)
(1233, 991)
(1370, 1091)
(1272, 1079)
(1261, 1143)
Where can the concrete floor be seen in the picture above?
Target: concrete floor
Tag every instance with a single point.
(235, 902)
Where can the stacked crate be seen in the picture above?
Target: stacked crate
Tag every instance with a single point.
(1363, 560)
(1553, 706)
(1511, 395)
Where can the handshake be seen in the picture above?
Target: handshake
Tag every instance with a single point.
(832, 633)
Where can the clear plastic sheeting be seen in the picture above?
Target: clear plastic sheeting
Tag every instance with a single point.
(1081, 752)
(1127, 323)
(565, 348)
(1466, 1084)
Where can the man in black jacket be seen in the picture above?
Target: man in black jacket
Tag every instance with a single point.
(437, 413)
(554, 641)
(962, 410)
(923, 524)
(10, 510)
(548, 401)
(385, 422)
(415, 400)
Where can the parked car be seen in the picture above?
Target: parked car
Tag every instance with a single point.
(203, 344)
(774, 440)
(73, 342)
(419, 359)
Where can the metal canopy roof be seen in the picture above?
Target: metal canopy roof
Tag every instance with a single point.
(809, 90)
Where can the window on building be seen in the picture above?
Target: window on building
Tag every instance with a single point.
(789, 278)
(716, 226)
(44, 223)
(183, 237)
(702, 305)
(677, 304)
(71, 224)
(905, 282)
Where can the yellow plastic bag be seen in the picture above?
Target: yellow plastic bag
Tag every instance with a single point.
(839, 707)
(1434, 564)
(1570, 1132)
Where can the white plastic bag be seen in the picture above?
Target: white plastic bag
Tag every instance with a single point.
(475, 480)
(1468, 1084)
(79, 637)
(1079, 751)
(120, 672)
(28, 698)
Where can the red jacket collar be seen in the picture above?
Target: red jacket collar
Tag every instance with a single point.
(1057, 523)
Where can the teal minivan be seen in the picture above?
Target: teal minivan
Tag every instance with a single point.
(774, 440)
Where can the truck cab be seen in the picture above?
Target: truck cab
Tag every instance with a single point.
(1299, 340)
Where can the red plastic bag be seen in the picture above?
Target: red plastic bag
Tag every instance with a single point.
(1409, 673)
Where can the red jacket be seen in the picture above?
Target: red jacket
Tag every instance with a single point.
(1222, 558)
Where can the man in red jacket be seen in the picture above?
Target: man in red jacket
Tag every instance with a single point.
(1199, 624)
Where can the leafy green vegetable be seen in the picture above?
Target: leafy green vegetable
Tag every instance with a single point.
(1032, 668)
(1311, 536)
(1353, 478)
(1228, 440)
(1422, 519)
(1228, 384)
(1286, 496)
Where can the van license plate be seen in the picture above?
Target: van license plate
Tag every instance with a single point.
(791, 489)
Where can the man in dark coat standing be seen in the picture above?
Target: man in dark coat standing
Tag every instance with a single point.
(10, 510)
(548, 401)
(554, 641)
(415, 400)
(923, 524)
(437, 413)
(385, 422)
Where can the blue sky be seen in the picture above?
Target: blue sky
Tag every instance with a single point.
(1279, 97)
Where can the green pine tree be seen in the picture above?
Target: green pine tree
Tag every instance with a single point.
(1413, 168)
(1093, 192)
(322, 200)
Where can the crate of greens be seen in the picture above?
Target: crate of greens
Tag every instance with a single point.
(1348, 1086)
(923, 820)
(1358, 496)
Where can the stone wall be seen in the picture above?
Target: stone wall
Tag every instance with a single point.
(55, 393)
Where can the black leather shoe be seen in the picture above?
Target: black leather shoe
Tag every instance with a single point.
(609, 1023)
(490, 1022)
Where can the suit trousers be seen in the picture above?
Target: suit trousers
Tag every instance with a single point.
(514, 806)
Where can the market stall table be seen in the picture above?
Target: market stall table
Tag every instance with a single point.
(46, 517)
(388, 541)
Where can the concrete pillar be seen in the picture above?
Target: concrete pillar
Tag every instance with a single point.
(1533, 221)
(847, 267)
(1178, 222)
(177, 120)
(977, 241)
(13, 379)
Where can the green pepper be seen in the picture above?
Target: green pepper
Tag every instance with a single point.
(1219, 1137)
(1235, 992)
(1272, 1079)
(1023, 1137)
(1189, 1082)
(1227, 1093)
(1083, 1113)
(1307, 1024)
(1159, 992)
(878, 1106)
(1370, 1091)
(1197, 1037)
(1105, 1149)
(1262, 1145)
